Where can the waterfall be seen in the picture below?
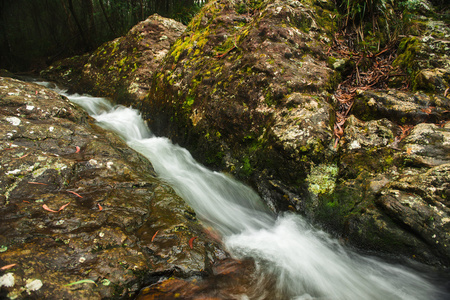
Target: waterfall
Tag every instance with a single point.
(306, 262)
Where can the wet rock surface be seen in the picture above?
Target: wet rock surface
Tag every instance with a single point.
(82, 215)
(247, 88)
(231, 280)
(395, 185)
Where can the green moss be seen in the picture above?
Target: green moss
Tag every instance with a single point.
(322, 179)
(178, 48)
(332, 204)
(226, 46)
(188, 103)
(388, 162)
(268, 98)
(249, 6)
(304, 23)
(407, 51)
(246, 169)
(242, 9)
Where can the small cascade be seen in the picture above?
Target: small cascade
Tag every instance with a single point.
(306, 263)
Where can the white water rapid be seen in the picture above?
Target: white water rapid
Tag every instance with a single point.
(306, 262)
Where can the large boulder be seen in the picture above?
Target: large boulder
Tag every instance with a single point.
(82, 215)
(245, 88)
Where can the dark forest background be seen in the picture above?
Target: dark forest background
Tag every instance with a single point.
(34, 33)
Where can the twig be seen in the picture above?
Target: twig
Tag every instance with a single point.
(75, 194)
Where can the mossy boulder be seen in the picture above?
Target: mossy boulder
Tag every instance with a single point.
(251, 95)
(245, 88)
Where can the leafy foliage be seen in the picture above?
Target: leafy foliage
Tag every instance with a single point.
(376, 23)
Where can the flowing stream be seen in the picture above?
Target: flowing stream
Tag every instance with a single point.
(307, 263)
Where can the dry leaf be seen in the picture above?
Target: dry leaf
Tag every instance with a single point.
(32, 182)
(191, 241)
(75, 194)
(55, 211)
(23, 156)
(7, 267)
(48, 209)
(64, 206)
(408, 151)
(155, 235)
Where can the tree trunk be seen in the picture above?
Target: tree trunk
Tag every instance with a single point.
(80, 28)
(102, 6)
(89, 6)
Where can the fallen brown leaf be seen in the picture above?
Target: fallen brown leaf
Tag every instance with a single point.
(64, 206)
(55, 211)
(32, 182)
(153, 237)
(75, 194)
(427, 110)
(48, 209)
(191, 241)
(7, 267)
(406, 129)
(443, 123)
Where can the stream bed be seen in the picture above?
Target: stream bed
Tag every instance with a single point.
(300, 261)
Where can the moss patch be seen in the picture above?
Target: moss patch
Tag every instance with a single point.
(322, 179)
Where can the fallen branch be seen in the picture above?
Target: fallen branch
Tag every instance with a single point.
(376, 76)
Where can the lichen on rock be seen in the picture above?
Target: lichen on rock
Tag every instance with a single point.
(322, 179)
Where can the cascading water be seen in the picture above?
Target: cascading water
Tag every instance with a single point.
(306, 262)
